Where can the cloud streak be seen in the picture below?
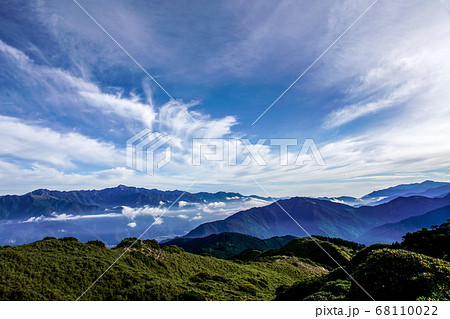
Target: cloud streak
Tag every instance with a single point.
(33, 142)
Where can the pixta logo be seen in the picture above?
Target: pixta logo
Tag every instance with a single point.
(149, 151)
(141, 150)
(241, 152)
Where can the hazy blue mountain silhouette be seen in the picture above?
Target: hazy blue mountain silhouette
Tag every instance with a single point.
(426, 188)
(393, 232)
(319, 217)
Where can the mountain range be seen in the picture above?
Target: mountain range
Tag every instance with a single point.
(391, 232)
(367, 224)
(113, 213)
(427, 188)
(45, 202)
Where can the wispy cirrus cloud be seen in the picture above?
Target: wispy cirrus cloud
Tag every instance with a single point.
(396, 97)
(57, 85)
(169, 118)
(124, 107)
(390, 68)
(376, 105)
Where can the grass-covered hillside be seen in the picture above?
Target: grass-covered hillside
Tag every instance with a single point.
(386, 274)
(400, 271)
(61, 269)
(226, 245)
(341, 251)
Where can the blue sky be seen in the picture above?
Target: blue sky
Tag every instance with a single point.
(376, 105)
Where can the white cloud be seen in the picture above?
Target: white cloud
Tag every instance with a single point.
(172, 120)
(46, 146)
(354, 111)
(55, 217)
(395, 57)
(197, 217)
(132, 213)
(132, 224)
(125, 108)
(216, 205)
(15, 54)
(32, 142)
(182, 203)
(393, 63)
(63, 86)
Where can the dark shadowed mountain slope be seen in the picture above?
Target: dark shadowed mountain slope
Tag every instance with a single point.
(401, 208)
(385, 274)
(427, 189)
(307, 248)
(392, 232)
(120, 195)
(226, 245)
(319, 217)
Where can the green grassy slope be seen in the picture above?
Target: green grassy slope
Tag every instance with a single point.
(308, 248)
(61, 269)
(395, 274)
(387, 272)
(226, 245)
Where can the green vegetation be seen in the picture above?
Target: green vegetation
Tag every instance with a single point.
(61, 269)
(308, 250)
(387, 272)
(433, 242)
(226, 245)
(391, 274)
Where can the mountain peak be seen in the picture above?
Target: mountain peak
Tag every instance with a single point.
(123, 187)
(40, 191)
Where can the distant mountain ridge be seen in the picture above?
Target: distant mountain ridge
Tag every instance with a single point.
(426, 188)
(45, 202)
(330, 217)
(320, 217)
(405, 189)
(391, 232)
(28, 205)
